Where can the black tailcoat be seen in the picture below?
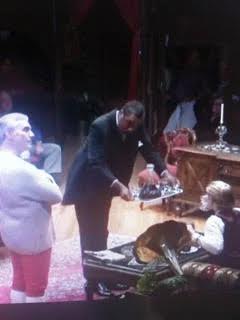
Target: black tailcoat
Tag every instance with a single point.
(107, 155)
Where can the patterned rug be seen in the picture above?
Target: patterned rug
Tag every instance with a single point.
(66, 281)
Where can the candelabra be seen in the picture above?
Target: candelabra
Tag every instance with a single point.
(221, 130)
(220, 145)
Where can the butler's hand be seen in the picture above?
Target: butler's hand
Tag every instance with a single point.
(121, 190)
(168, 178)
(125, 193)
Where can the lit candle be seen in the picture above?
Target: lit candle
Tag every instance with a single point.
(222, 112)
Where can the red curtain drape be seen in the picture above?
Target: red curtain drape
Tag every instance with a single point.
(80, 10)
(130, 12)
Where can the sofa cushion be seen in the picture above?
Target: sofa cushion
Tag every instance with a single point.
(212, 274)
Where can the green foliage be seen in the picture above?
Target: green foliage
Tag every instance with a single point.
(149, 284)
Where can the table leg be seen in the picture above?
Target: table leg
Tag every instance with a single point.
(90, 288)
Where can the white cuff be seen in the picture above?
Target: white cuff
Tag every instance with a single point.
(114, 181)
(164, 172)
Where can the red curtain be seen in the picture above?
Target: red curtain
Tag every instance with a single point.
(80, 10)
(130, 12)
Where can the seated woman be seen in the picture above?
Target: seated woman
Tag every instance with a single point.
(184, 114)
(221, 235)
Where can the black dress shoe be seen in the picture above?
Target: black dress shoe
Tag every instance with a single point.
(103, 290)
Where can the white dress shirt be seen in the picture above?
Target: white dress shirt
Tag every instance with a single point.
(212, 240)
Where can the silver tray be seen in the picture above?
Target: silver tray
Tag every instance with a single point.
(167, 192)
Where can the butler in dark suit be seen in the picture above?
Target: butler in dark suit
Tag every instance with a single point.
(103, 168)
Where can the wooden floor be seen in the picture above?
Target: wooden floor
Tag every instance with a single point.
(125, 217)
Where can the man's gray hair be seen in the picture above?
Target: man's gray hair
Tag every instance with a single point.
(9, 122)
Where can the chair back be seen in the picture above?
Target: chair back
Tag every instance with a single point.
(165, 144)
(183, 137)
(178, 138)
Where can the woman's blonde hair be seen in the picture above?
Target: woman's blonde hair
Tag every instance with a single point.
(221, 193)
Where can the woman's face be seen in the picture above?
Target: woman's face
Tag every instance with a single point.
(206, 202)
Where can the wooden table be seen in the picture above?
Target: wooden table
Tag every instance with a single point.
(96, 270)
(197, 167)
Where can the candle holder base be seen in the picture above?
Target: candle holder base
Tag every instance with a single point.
(221, 130)
(224, 148)
(221, 145)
